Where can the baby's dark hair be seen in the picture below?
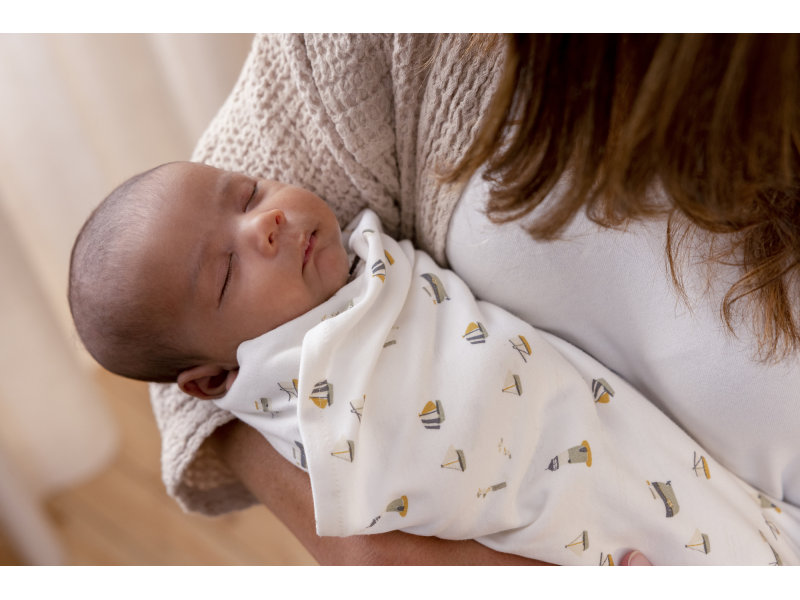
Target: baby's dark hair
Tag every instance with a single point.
(113, 307)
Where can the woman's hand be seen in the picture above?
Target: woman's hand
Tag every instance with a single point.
(634, 558)
(286, 491)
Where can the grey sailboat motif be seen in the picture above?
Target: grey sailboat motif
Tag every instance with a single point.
(454, 459)
(579, 544)
(299, 454)
(512, 384)
(602, 391)
(357, 406)
(667, 495)
(777, 562)
(699, 542)
(606, 560)
(436, 290)
(290, 387)
(344, 449)
(399, 506)
(701, 466)
(772, 527)
(476, 333)
(492, 488)
(322, 394)
(432, 415)
(264, 406)
(765, 502)
(521, 345)
(379, 270)
(573, 456)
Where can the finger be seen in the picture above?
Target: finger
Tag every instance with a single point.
(635, 559)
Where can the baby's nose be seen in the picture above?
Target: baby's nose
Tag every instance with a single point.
(266, 227)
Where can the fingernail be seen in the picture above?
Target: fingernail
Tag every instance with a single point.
(637, 559)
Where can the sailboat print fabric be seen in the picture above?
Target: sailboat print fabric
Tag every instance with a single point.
(413, 406)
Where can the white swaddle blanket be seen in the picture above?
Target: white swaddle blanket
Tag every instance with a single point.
(415, 407)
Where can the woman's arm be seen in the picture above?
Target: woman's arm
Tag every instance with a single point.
(286, 491)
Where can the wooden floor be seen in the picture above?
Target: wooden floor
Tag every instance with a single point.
(124, 516)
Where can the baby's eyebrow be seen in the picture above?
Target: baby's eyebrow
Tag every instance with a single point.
(204, 249)
(200, 259)
(225, 188)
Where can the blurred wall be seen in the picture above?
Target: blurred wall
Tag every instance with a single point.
(79, 114)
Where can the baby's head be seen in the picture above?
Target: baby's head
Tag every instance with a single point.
(181, 264)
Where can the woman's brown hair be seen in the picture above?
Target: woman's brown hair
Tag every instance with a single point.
(713, 119)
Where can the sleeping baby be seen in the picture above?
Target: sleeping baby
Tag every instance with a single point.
(411, 404)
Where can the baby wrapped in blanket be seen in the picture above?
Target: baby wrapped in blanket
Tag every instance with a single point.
(414, 406)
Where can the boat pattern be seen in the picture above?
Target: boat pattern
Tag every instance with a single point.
(581, 454)
(476, 333)
(432, 415)
(602, 391)
(667, 495)
(399, 506)
(322, 394)
(435, 289)
(580, 544)
(454, 459)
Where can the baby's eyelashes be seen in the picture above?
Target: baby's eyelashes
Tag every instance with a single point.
(252, 196)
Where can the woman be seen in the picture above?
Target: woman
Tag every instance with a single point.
(694, 136)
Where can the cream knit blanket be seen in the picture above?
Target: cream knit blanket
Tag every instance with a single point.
(362, 121)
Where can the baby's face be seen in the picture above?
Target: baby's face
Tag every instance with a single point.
(237, 256)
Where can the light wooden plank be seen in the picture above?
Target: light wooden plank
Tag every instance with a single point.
(124, 516)
(88, 538)
(8, 556)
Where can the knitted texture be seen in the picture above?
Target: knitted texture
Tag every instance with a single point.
(360, 120)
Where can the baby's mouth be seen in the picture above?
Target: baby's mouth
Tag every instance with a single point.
(312, 241)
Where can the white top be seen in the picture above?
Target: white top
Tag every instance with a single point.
(414, 407)
(609, 292)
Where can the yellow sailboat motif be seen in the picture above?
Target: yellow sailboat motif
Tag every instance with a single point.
(492, 488)
(476, 333)
(322, 394)
(432, 415)
(503, 449)
(765, 502)
(399, 506)
(522, 346)
(299, 454)
(344, 449)
(602, 391)
(357, 406)
(575, 455)
(389, 258)
(512, 384)
(454, 459)
(436, 290)
(290, 387)
(608, 561)
(264, 406)
(778, 562)
(379, 270)
(699, 542)
(701, 466)
(579, 544)
(347, 307)
(667, 495)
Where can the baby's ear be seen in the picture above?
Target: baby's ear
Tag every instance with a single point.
(207, 382)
